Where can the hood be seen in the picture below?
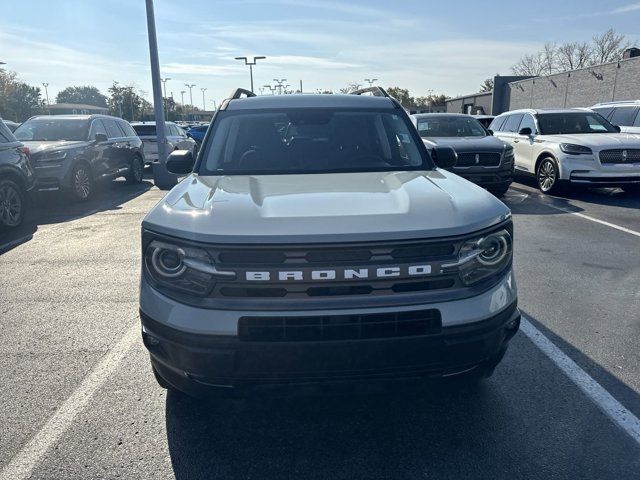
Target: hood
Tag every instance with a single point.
(598, 141)
(36, 147)
(337, 207)
(467, 144)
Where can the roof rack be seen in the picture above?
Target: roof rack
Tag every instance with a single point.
(236, 94)
(375, 91)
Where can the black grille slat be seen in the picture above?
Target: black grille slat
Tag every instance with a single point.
(340, 327)
(617, 155)
(468, 159)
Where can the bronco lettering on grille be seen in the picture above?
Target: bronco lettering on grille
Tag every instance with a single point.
(338, 274)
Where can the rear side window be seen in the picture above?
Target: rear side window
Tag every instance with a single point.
(497, 123)
(637, 122)
(112, 128)
(604, 111)
(5, 134)
(513, 122)
(623, 116)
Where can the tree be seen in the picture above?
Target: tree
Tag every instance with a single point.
(127, 101)
(487, 85)
(402, 95)
(608, 47)
(86, 94)
(18, 100)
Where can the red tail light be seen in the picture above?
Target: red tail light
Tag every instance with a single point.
(25, 150)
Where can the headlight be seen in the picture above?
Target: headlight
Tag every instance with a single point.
(181, 268)
(575, 149)
(53, 156)
(482, 257)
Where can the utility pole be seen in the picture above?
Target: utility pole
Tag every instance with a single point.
(164, 95)
(251, 64)
(46, 92)
(161, 177)
(204, 104)
(279, 84)
(131, 101)
(190, 87)
(371, 81)
(300, 86)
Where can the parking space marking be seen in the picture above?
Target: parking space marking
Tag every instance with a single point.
(22, 464)
(592, 389)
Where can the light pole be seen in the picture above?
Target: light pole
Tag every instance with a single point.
(190, 87)
(271, 88)
(161, 177)
(164, 95)
(279, 84)
(46, 93)
(251, 64)
(215, 107)
(371, 81)
(204, 105)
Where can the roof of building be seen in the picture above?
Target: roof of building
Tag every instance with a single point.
(310, 101)
(77, 106)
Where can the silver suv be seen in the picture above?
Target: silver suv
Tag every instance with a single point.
(316, 241)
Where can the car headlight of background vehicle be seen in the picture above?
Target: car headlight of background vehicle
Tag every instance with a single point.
(55, 156)
(484, 256)
(575, 149)
(181, 268)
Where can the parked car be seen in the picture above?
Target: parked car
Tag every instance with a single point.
(626, 114)
(11, 125)
(176, 136)
(482, 158)
(333, 250)
(570, 147)
(485, 120)
(197, 132)
(16, 178)
(73, 152)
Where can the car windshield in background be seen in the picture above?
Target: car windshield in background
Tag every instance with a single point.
(149, 130)
(312, 141)
(450, 127)
(573, 123)
(41, 129)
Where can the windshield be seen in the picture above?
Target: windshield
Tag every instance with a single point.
(446, 126)
(149, 130)
(312, 141)
(573, 123)
(50, 129)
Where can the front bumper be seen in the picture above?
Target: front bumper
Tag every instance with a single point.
(587, 170)
(474, 330)
(486, 177)
(53, 175)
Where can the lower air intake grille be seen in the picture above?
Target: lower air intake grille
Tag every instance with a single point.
(339, 327)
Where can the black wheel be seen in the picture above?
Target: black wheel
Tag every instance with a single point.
(631, 189)
(499, 191)
(82, 183)
(136, 171)
(12, 204)
(548, 175)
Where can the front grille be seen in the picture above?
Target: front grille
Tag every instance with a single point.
(620, 155)
(468, 159)
(339, 327)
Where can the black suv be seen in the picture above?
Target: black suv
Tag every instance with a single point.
(72, 152)
(482, 158)
(16, 178)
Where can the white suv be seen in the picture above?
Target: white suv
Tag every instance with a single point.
(625, 114)
(570, 146)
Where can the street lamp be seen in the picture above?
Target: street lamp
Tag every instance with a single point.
(164, 89)
(371, 81)
(251, 64)
(204, 105)
(279, 84)
(190, 87)
(46, 92)
(271, 89)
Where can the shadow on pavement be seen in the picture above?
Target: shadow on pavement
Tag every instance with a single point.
(47, 208)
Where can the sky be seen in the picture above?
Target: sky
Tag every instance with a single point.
(445, 47)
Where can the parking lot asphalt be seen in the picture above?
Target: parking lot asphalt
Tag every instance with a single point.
(78, 399)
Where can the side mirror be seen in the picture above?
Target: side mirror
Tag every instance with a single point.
(618, 129)
(100, 137)
(445, 157)
(525, 131)
(180, 162)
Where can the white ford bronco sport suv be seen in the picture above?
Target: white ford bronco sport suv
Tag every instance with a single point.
(315, 241)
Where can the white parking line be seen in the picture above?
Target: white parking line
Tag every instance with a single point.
(22, 464)
(592, 389)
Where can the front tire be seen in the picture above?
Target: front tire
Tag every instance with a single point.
(12, 204)
(136, 171)
(82, 184)
(548, 176)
